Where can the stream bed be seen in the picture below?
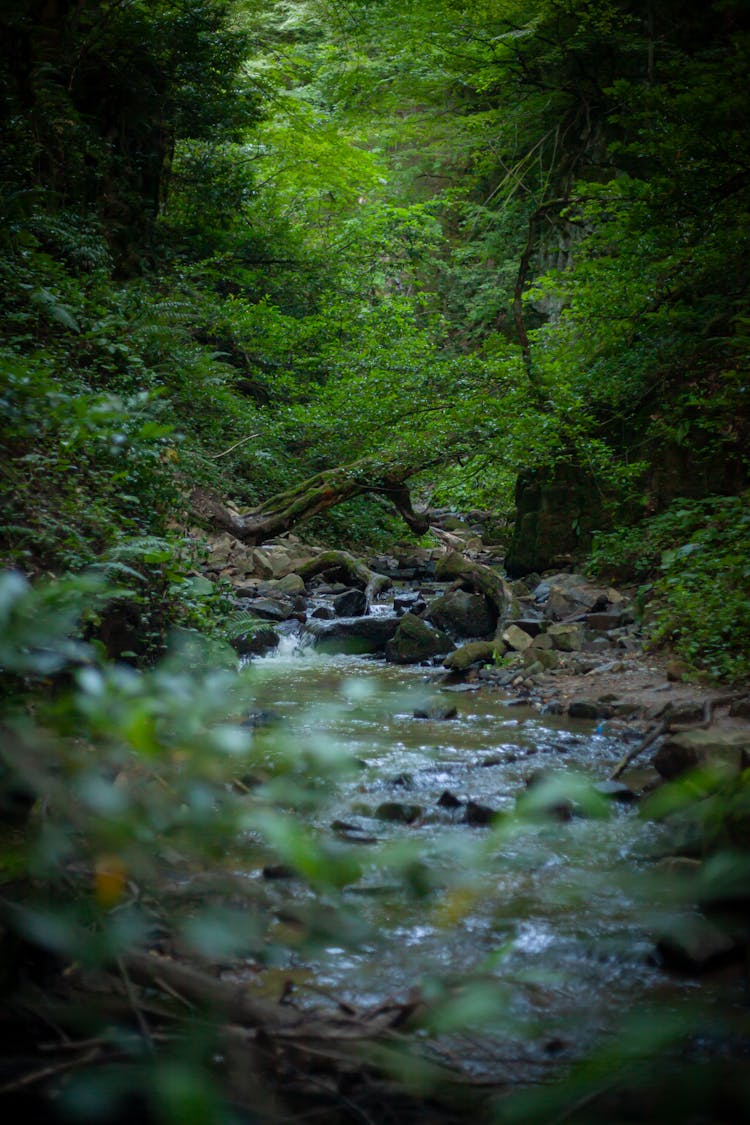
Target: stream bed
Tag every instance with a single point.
(539, 930)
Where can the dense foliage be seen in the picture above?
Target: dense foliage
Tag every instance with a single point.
(242, 241)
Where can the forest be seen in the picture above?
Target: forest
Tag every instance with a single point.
(364, 294)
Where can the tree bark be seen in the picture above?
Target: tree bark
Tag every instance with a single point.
(314, 496)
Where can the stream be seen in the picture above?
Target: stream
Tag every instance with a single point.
(539, 931)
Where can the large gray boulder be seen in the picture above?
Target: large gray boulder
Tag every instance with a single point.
(415, 640)
(463, 614)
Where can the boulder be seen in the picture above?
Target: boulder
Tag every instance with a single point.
(690, 749)
(517, 639)
(354, 634)
(566, 638)
(290, 584)
(476, 652)
(352, 603)
(270, 609)
(547, 659)
(463, 614)
(542, 643)
(414, 640)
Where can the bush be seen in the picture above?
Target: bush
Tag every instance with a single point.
(694, 563)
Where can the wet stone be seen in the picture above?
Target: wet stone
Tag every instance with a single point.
(398, 813)
(279, 871)
(448, 800)
(479, 816)
(352, 603)
(439, 712)
(615, 791)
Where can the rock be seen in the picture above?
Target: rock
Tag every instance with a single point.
(541, 643)
(677, 671)
(409, 603)
(447, 800)
(690, 711)
(270, 609)
(533, 626)
(220, 550)
(278, 871)
(438, 712)
(463, 614)
(398, 812)
(545, 658)
(414, 640)
(693, 944)
(323, 613)
(713, 747)
(566, 638)
(256, 644)
(352, 603)
(476, 652)
(352, 833)
(275, 560)
(261, 718)
(740, 708)
(479, 816)
(289, 584)
(615, 791)
(588, 709)
(516, 638)
(603, 622)
(357, 634)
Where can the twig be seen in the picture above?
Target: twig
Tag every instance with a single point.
(651, 737)
(145, 1029)
(49, 1072)
(237, 444)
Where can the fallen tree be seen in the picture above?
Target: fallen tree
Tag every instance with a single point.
(316, 495)
(353, 569)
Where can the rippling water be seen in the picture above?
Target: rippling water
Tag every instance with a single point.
(555, 919)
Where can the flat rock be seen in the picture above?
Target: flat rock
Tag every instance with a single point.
(688, 750)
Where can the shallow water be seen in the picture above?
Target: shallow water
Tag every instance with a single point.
(554, 921)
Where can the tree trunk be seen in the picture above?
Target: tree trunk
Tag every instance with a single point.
(314, 496)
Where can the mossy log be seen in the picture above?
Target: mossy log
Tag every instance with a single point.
(355, 570)
(314, 496)
(480, 580)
